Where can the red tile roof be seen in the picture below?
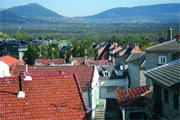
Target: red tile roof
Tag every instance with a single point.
(48, 61)
(84, 73)
(122, 52)
(11, 61)
(117, 49)
(135, 50)
(132, 93)
(46, 97)
(99, 62)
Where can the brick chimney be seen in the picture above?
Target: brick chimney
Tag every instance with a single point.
(169, 33)
(127, 46)
(115, 44)
(136, 46)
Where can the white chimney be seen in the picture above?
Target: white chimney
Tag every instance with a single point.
(27, 78)
(21, 94)
(26, 68)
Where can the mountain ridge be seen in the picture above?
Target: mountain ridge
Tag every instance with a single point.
(35, 13)
(139, 14)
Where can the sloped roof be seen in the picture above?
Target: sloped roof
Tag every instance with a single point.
(48, 61)
(46, 97)
(110, 69)
(169, 46)
(139, 62)
(99, 62)
(84, 73)
(134, 56)
(132, 93)
(168, 74)
(11, 61)
(123, 57)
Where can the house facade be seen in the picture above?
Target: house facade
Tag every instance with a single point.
(111, 79)
(136, 68)
(161, 54)
(133, 103)
(166, 90)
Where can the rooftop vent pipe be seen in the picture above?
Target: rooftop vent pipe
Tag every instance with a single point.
(20, 94)
(26, 78)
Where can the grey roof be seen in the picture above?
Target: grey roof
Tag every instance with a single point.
(101, 46)
(110, 69)
(139, 62)
(168, 46)
(133, 56)
(168, 74)
(123, 57)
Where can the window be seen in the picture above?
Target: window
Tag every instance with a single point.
(166, 96)
(175, 101)
(106, 73)
(111, 89)
(108, 64)
(162, 59)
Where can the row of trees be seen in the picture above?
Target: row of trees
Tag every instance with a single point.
(16, 36)
(80, 49)
(44, 52)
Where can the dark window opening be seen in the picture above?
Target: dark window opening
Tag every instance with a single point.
(175, 101)
(166, 96)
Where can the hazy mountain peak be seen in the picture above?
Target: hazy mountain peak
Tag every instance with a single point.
(33, 10)
(159, 13)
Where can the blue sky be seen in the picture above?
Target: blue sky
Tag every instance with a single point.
(72, 8)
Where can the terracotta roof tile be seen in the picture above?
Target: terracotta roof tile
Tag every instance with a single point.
(132, 93)
(48, 61)
(84, 73)
(46, 97)
(11, 61)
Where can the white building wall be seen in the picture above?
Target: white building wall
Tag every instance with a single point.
(4, 69)
(134, 74)
(95, 91)
(118, 83)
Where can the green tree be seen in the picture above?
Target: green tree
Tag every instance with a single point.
(26, 36)
(50, 51)
(91, 52)
(121, 41)
(4, 35)
(56, 52)
(18, 36)
(82, 49)
(38, 51)
(68, 54)
(44, 51)
(31, 54)
(75, 51)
